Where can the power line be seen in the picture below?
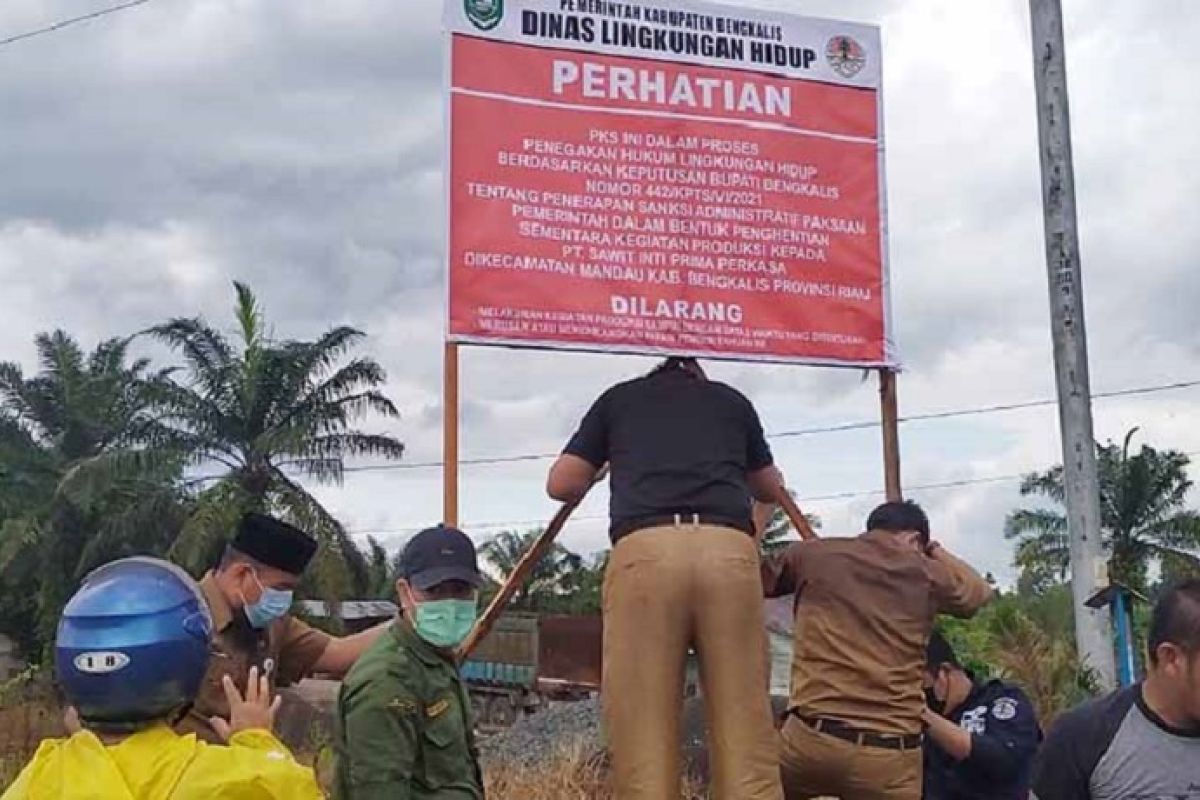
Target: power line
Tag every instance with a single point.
(993, 409)
(838, 428)
(852, 495)
(72, 21)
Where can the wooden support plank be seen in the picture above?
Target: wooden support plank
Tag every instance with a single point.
(890, 416)
(537, 551)
(450, 436)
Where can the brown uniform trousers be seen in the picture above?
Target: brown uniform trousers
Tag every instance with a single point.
(666, 589)
(815, 763)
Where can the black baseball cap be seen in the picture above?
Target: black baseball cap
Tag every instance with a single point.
(437, 555)
(939, 651)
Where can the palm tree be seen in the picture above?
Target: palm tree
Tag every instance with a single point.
(264, 413)
(66, 505)
(1143, 517)
(1026, 638)
(780, 534)
(382, 571)
(586, 586)
(1046, 667)
(552, 576)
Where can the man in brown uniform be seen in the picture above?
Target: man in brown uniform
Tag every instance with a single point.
(864, 611)
(249, 596)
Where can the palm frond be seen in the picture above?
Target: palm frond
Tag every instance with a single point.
(315, 359)
(17, 536)
(1047, 669)
(555, 574)
(249, 316)
(342, 567)
(210, 526)
(210, 358)
(1035, 522)
(1049, 484)
(60, 356)
(147, 522)
(12, 388)
(109, 358)
(1178, 565)
(1182, 530)
(779, 533)
(88, 481)
(348, 392)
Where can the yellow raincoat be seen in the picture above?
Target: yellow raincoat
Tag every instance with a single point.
(158, 764)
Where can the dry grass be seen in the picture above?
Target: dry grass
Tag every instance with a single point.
(569, 775)
(28, 714)
(9, 769)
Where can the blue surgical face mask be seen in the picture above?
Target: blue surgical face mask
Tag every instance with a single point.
(271, 605)
(444, 623)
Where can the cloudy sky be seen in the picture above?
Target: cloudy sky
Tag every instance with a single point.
(150, 157)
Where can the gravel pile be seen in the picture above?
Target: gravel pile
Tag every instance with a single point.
(534, 739)
(537, 737)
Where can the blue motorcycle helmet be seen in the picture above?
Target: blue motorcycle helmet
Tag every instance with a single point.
(133, 644)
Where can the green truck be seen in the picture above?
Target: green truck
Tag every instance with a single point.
(528, 660)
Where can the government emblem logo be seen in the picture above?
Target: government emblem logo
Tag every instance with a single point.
(846, 56)
(484, 14)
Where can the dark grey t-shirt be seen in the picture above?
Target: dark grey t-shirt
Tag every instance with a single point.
(1116, 748)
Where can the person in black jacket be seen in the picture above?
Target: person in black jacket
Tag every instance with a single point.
(980, 738)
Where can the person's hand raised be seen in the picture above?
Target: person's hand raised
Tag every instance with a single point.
(255, 711)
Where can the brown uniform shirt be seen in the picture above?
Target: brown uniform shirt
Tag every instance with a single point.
(287, 650)
(864, 610)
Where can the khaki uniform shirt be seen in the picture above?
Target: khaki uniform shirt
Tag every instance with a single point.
(287, 651)
(865, 608)
(404, 729)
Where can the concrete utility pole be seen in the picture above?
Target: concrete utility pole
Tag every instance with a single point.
(1092, 627)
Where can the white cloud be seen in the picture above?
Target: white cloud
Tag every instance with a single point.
(150, 157)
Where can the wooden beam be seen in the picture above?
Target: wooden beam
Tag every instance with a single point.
(537, 551)
(763, 512)
(450, 435)
(799, 521)
(890, 416)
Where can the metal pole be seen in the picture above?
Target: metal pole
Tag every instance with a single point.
(450, 436)
(1092, 627)
(890, 418)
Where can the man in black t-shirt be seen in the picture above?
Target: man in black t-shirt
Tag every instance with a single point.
(687, 456)
(1143, 742)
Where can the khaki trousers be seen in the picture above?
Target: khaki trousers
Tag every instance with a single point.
(816, 764)
(666, 589)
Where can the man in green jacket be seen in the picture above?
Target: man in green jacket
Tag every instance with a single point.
(404, 722)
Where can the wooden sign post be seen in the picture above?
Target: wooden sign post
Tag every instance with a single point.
(450, 436)
(890, 421)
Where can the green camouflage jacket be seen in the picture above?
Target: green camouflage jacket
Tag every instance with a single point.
(404, 727)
